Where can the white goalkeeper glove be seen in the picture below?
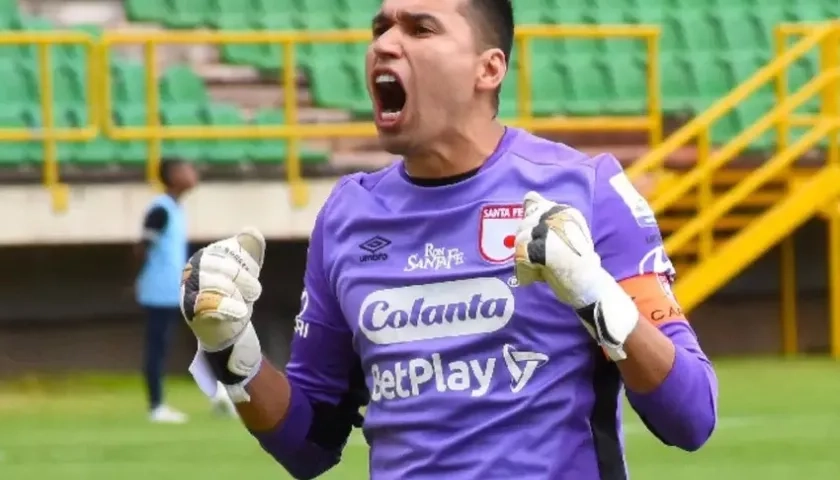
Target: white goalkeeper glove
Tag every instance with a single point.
(554, 245)
(219, 286)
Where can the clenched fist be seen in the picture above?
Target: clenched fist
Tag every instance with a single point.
(219, 286)
(554, 245)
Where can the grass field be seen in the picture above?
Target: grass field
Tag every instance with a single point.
(778, 420)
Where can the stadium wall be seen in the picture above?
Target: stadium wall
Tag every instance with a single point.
(111, 213)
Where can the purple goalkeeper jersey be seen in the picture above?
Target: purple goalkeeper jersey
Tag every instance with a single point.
(470, 375)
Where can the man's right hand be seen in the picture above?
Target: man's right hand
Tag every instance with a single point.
(219, 286)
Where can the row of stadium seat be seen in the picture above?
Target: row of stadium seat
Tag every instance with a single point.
(580, 85)
(357, 13)
(570, 77)
(686, 85)
(102, 151)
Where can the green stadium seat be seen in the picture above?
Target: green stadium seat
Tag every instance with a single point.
(321, 7)
(128, 83)
(765, 20)
(572, 46)
(17, 91)
(70, 85)
(549, 86)
(133, 152)
(34, 24)
(239, 53)
(628, 76)
(679, 85)
(186, 13)
(734, 31)
(271, 54)
(358, 19)
(342, 86)
(530, 15)
(647, 12)
(276, 150)
(268, 150)
(8, 8)
(804, 12)
(368, 6)
(277, 22)
(96, 152)
(275, 7)
(590, 87)
(35, 150)
(333, 87)
(225, 151)
(614, 46)
(226, 10)
(325, 53)
(145, 10)
(182, 85)
(693, 30)
(184, 115)
(13, 153)
(714, 76)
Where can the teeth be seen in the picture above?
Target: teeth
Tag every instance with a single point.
(390, 115)
(385, 78)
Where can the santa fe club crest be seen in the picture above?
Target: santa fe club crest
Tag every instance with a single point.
(497, 231)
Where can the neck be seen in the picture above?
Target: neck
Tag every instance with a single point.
(465, 150)
(176, 195)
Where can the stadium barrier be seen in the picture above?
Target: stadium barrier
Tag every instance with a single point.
(50, 133)
(808, 192)
(293, 131)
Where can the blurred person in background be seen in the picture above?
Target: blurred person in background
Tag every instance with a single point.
(162, 253)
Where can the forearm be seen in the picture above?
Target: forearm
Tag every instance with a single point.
(679, 407)
(650, 357)
(270, 395)
(279, 416)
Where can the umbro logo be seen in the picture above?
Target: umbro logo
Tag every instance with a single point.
(374, 246)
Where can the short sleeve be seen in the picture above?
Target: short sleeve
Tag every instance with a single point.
(322, 356)
(154, 223)
(624, 227)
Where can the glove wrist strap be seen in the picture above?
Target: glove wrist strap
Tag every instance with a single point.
(237, 392)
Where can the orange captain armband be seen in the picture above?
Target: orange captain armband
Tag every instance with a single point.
(653, 297)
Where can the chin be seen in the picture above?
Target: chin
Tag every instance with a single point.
(394, 144)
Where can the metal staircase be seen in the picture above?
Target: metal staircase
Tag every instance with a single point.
(718, 219)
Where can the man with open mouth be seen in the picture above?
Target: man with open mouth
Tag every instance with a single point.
(488, 297)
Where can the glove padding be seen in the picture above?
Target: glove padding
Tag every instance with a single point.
(219, 286)
(554, 245)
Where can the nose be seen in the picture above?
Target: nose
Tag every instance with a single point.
(387, 46)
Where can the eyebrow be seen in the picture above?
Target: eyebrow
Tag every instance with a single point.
(381, 17)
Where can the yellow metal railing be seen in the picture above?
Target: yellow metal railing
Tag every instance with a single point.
(99, 87)
(50, 133)
(830, 109)
(699, 129)
(711, 208)
(294, 131)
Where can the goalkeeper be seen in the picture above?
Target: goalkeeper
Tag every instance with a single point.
(491, 330)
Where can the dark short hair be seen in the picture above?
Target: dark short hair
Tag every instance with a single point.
(166, 167)
(493, 21)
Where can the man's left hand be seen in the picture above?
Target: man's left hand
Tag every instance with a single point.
(554, 245)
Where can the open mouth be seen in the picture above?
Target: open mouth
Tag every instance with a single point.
(390, 98)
